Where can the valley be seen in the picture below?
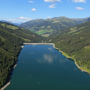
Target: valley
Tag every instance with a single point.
(47, 27)
(71, 38)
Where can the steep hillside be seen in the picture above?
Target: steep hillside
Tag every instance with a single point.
(20, 32)
(74, 43)
(46, 27)
(11, 39)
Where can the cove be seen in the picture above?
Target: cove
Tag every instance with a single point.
(42, 67)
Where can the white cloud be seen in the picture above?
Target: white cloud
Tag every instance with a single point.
(24, 18)
(46, 59)
(52, 6)
(30, 1)
(79, 1)
(20, 19)
(52, 1)
(79, 8)
(48, 17)
(34, 9)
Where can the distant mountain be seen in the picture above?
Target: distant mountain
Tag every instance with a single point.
(5, 21)
(74, 43)
(16, 23)
(11, 39)
(46, 27)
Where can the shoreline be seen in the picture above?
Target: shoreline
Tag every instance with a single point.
(5, 86)
(81, 68)
(38, 44)
(8, 83)
(63, 53)
(67, 56)
(13, 67)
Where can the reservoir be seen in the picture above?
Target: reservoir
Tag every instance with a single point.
(42, 67)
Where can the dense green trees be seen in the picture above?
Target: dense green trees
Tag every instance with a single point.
(11, 39)
(75, 43)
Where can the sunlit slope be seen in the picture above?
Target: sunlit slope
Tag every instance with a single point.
(75, 44)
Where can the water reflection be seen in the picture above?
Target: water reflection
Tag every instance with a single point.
(50, 49)
(44, 68)
(47, 59)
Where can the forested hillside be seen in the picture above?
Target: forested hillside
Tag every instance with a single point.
(11, 39)
(46, 27)
(74, 43)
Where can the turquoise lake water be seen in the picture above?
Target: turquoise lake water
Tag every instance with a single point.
(42, 67)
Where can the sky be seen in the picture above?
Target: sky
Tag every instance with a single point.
(19, 11)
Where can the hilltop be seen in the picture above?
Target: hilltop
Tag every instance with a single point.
(46, 27)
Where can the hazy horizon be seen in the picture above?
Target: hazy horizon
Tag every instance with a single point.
(19, 11)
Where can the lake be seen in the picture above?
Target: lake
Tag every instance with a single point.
(42, 67)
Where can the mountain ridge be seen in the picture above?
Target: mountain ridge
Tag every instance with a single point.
(46, 27)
